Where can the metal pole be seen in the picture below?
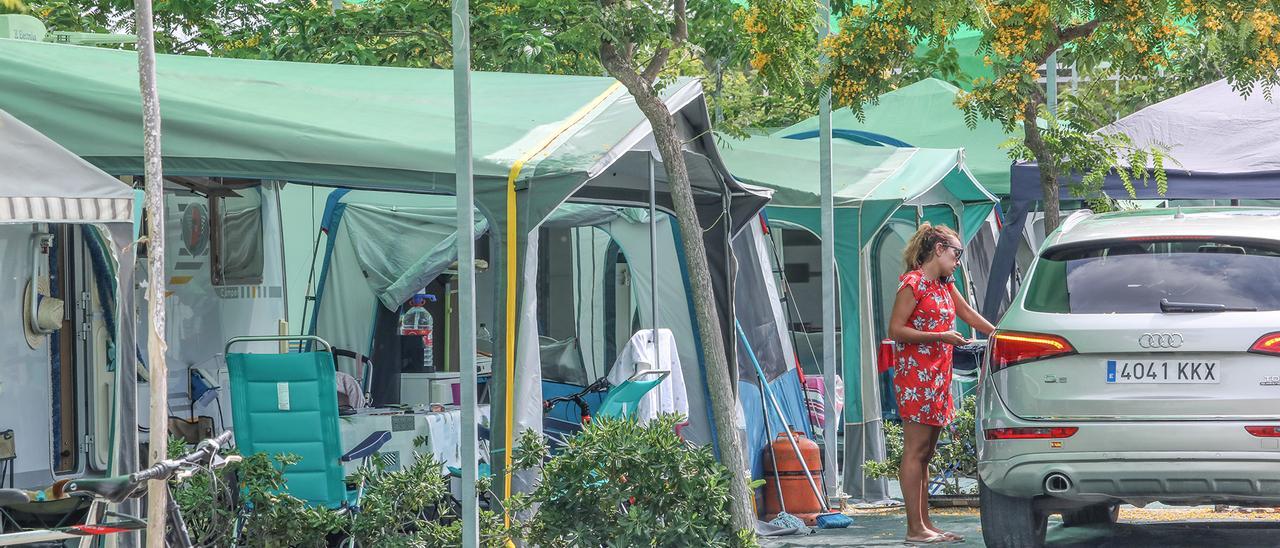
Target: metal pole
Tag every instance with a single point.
(158, 373)
(831, 463)
(653, 263)
(466, 267)
(1051, 82)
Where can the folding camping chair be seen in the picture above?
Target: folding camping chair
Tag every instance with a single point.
(288, 403)
(622, 400)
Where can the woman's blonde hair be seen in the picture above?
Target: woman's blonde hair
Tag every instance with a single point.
(920, 246)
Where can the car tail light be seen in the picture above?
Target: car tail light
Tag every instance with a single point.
(1048, 433)
(1264, 431)
(1267, 344)
(1010, 348)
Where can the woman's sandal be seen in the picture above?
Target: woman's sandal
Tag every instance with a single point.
(954, 537)
(935, 539)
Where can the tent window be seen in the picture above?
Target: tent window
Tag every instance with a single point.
(237, 238)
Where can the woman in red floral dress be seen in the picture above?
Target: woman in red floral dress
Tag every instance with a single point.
(923, 324)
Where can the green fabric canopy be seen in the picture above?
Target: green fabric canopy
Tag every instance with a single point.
(870, 186)
(924, 114)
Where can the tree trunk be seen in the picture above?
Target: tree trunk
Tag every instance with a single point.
(157, 490)
(723, 405)
(1048, 166)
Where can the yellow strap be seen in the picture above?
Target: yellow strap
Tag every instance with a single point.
(509, 342)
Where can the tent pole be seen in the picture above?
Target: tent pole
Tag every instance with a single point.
(466, 268)
(653, 262)
(831, 466)
(1051, 83)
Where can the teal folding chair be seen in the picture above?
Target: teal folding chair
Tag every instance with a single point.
(288, 404)
(622, 400)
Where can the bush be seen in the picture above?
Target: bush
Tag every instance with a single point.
(959, 458)
(620, 483)
(211, 504)
(409, 507)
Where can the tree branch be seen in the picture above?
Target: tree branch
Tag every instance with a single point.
(1067, 35)
(679, 34)
(1078, 31)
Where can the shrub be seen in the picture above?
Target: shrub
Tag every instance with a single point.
(959, 458)
(620, 483)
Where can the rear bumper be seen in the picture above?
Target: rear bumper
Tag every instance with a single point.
(1197, 462)
(1188, 477)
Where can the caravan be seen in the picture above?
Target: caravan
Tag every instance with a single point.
(67, 380)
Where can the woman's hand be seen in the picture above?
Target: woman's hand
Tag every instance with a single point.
(953, 338)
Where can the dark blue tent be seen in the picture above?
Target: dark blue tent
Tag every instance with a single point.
(1221, 145)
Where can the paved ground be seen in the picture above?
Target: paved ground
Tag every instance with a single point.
(1137, 529)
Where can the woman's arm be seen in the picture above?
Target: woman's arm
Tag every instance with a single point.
(968, 314)
(899, 331)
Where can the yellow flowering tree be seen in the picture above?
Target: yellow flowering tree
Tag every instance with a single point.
(1134, 39)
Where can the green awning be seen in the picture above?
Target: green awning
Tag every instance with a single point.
(924, 114)
(374, 128)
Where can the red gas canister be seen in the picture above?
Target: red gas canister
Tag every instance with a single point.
(797, 493)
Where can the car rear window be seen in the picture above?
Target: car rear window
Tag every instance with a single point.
(1132, 277)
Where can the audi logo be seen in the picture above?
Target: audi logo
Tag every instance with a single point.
(1160, 340)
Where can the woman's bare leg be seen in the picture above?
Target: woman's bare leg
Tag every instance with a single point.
(916, 438)
(924, 485)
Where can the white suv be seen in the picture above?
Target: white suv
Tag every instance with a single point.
(1140, 362)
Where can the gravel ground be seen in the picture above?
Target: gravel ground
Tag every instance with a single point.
(1138, 528)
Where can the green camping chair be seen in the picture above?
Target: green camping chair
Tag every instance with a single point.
(288, 403)
(622, 400)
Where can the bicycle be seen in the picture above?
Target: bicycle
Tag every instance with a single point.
(114, 490)
(558, 430)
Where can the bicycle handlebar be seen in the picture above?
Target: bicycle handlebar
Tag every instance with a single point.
(204, 451)
(119, 488)
(598, 386)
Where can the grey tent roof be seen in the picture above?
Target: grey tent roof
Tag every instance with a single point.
(42, 182)
(1222, 145)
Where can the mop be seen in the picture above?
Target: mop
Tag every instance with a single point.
(829, 520)
(783, 519)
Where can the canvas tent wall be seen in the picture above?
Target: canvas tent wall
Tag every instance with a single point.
(924, 114)
(538, 140)
(1219, 145)
(42, 186)
(871, 186)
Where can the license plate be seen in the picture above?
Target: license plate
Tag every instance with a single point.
(1163, 372)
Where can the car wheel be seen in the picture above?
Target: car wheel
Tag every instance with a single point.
(1106, 513)
(1010, 522)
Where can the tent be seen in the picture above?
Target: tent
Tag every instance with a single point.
(381, 128)
(42, 185)
(379, 247)
(879, 192)
(923, 114)
(1219, 145)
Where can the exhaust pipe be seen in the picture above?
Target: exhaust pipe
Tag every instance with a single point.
(1057, 483)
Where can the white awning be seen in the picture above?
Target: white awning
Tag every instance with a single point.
(42, 182)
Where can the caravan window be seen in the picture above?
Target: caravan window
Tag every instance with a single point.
(237, 237)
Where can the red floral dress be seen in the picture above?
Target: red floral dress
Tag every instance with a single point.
(922, 378)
